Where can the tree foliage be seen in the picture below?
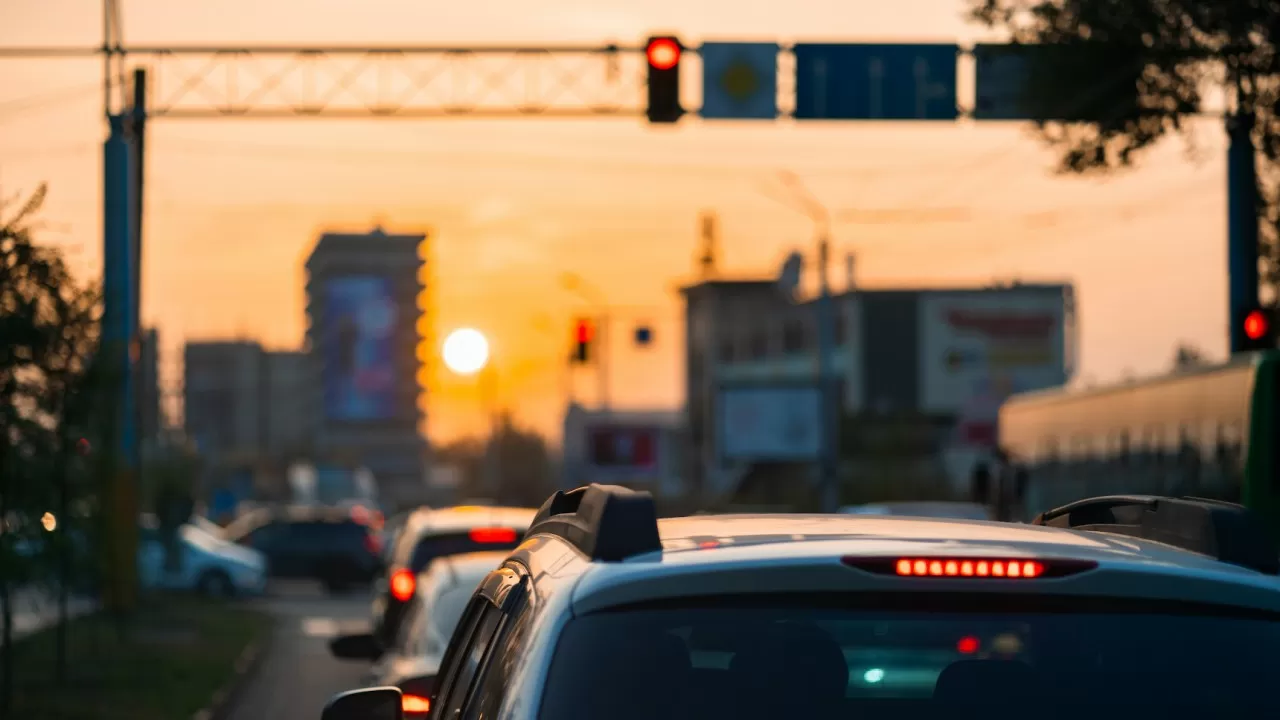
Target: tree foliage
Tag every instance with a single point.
(48, 398)
(1130, 73)
(514, 467)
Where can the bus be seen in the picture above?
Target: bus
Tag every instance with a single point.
(1206, 432)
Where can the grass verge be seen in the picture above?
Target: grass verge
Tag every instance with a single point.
(164, 663)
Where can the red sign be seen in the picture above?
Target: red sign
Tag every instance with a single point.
(1003, 324)
(623, 447)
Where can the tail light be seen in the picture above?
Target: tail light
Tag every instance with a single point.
(403, 583)
(415, 705)
(968, 567)
(493, 535)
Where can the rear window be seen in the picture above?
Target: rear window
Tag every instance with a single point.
(431, 547)
(782, 659)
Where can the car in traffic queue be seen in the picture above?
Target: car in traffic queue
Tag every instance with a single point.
(413, 659)
(1124, 606)
(432, 533)
(337, 547)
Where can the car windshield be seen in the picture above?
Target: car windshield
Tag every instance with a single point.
(846, 660)
(431, 547)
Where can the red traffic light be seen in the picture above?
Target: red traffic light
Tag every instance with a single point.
(663, 53)
(1256, 325)
(583, 332)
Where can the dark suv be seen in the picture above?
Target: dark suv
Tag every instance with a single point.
(335, 547)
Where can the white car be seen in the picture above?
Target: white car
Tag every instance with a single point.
(1113, 607)
(210, 564)
(413, 660)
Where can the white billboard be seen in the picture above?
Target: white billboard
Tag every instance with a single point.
(770, 422)
(977, 349)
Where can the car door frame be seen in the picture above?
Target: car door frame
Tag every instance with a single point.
(498, 595)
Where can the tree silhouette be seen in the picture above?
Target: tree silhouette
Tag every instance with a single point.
(1126, 75)
(49, 326)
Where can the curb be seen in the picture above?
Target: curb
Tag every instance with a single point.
(222, 701)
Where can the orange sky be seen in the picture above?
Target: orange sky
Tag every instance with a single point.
(234, 205)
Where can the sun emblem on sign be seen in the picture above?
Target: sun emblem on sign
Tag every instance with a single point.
(739, 80)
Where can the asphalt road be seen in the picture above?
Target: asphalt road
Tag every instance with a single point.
(298, 675)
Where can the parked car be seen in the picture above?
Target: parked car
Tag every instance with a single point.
(413, 659)
(208, 563)
(325, 544)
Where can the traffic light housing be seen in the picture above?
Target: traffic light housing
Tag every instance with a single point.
(662, 56)
(584, 333)
(1256, 328)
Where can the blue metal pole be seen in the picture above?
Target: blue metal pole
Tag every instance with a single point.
(117, 281)
(829, 461)
(1242, 223)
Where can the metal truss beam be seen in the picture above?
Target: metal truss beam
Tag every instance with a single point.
(362, 82)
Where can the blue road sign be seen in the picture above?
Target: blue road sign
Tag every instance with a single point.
(1000, 80)
(876, 82)
(739, 81)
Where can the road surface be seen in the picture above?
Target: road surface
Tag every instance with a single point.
(298, 675)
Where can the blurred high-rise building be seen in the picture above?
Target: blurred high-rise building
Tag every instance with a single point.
(151, 417)
(223, 385)
(366, 317)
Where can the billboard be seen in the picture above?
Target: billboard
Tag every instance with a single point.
(977, 349)
(770, 422)
(358, 345)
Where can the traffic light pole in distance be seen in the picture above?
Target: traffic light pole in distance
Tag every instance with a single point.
(662, 57)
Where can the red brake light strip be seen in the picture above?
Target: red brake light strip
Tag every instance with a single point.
(940, 567)
(1005, 568)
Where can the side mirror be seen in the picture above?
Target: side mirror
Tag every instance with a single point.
(418, 694)
(355, 647)
(382, 703)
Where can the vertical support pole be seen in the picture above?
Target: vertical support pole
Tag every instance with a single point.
(603, 344)
(1242, 223)
(138, 128)
(117, 321)
(829, 476)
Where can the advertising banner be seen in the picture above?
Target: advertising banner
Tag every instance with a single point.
(978, 350)
(359, 350)
(770, 423)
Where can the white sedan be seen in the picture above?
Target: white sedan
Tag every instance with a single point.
(210, 564)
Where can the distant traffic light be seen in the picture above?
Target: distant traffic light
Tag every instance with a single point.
(662, 54)
(583, 333)
(1257, 330)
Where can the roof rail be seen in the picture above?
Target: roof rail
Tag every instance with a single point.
(1228, 532)
(605, 522)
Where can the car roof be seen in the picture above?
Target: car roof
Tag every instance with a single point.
(726, 553)
(448, 571)
(466, 517)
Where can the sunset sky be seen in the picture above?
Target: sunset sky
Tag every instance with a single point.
(234, 205)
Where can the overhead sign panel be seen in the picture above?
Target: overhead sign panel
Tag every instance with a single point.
(739, 81)
(1001, 77)
(876, 82)
(1004, 85)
